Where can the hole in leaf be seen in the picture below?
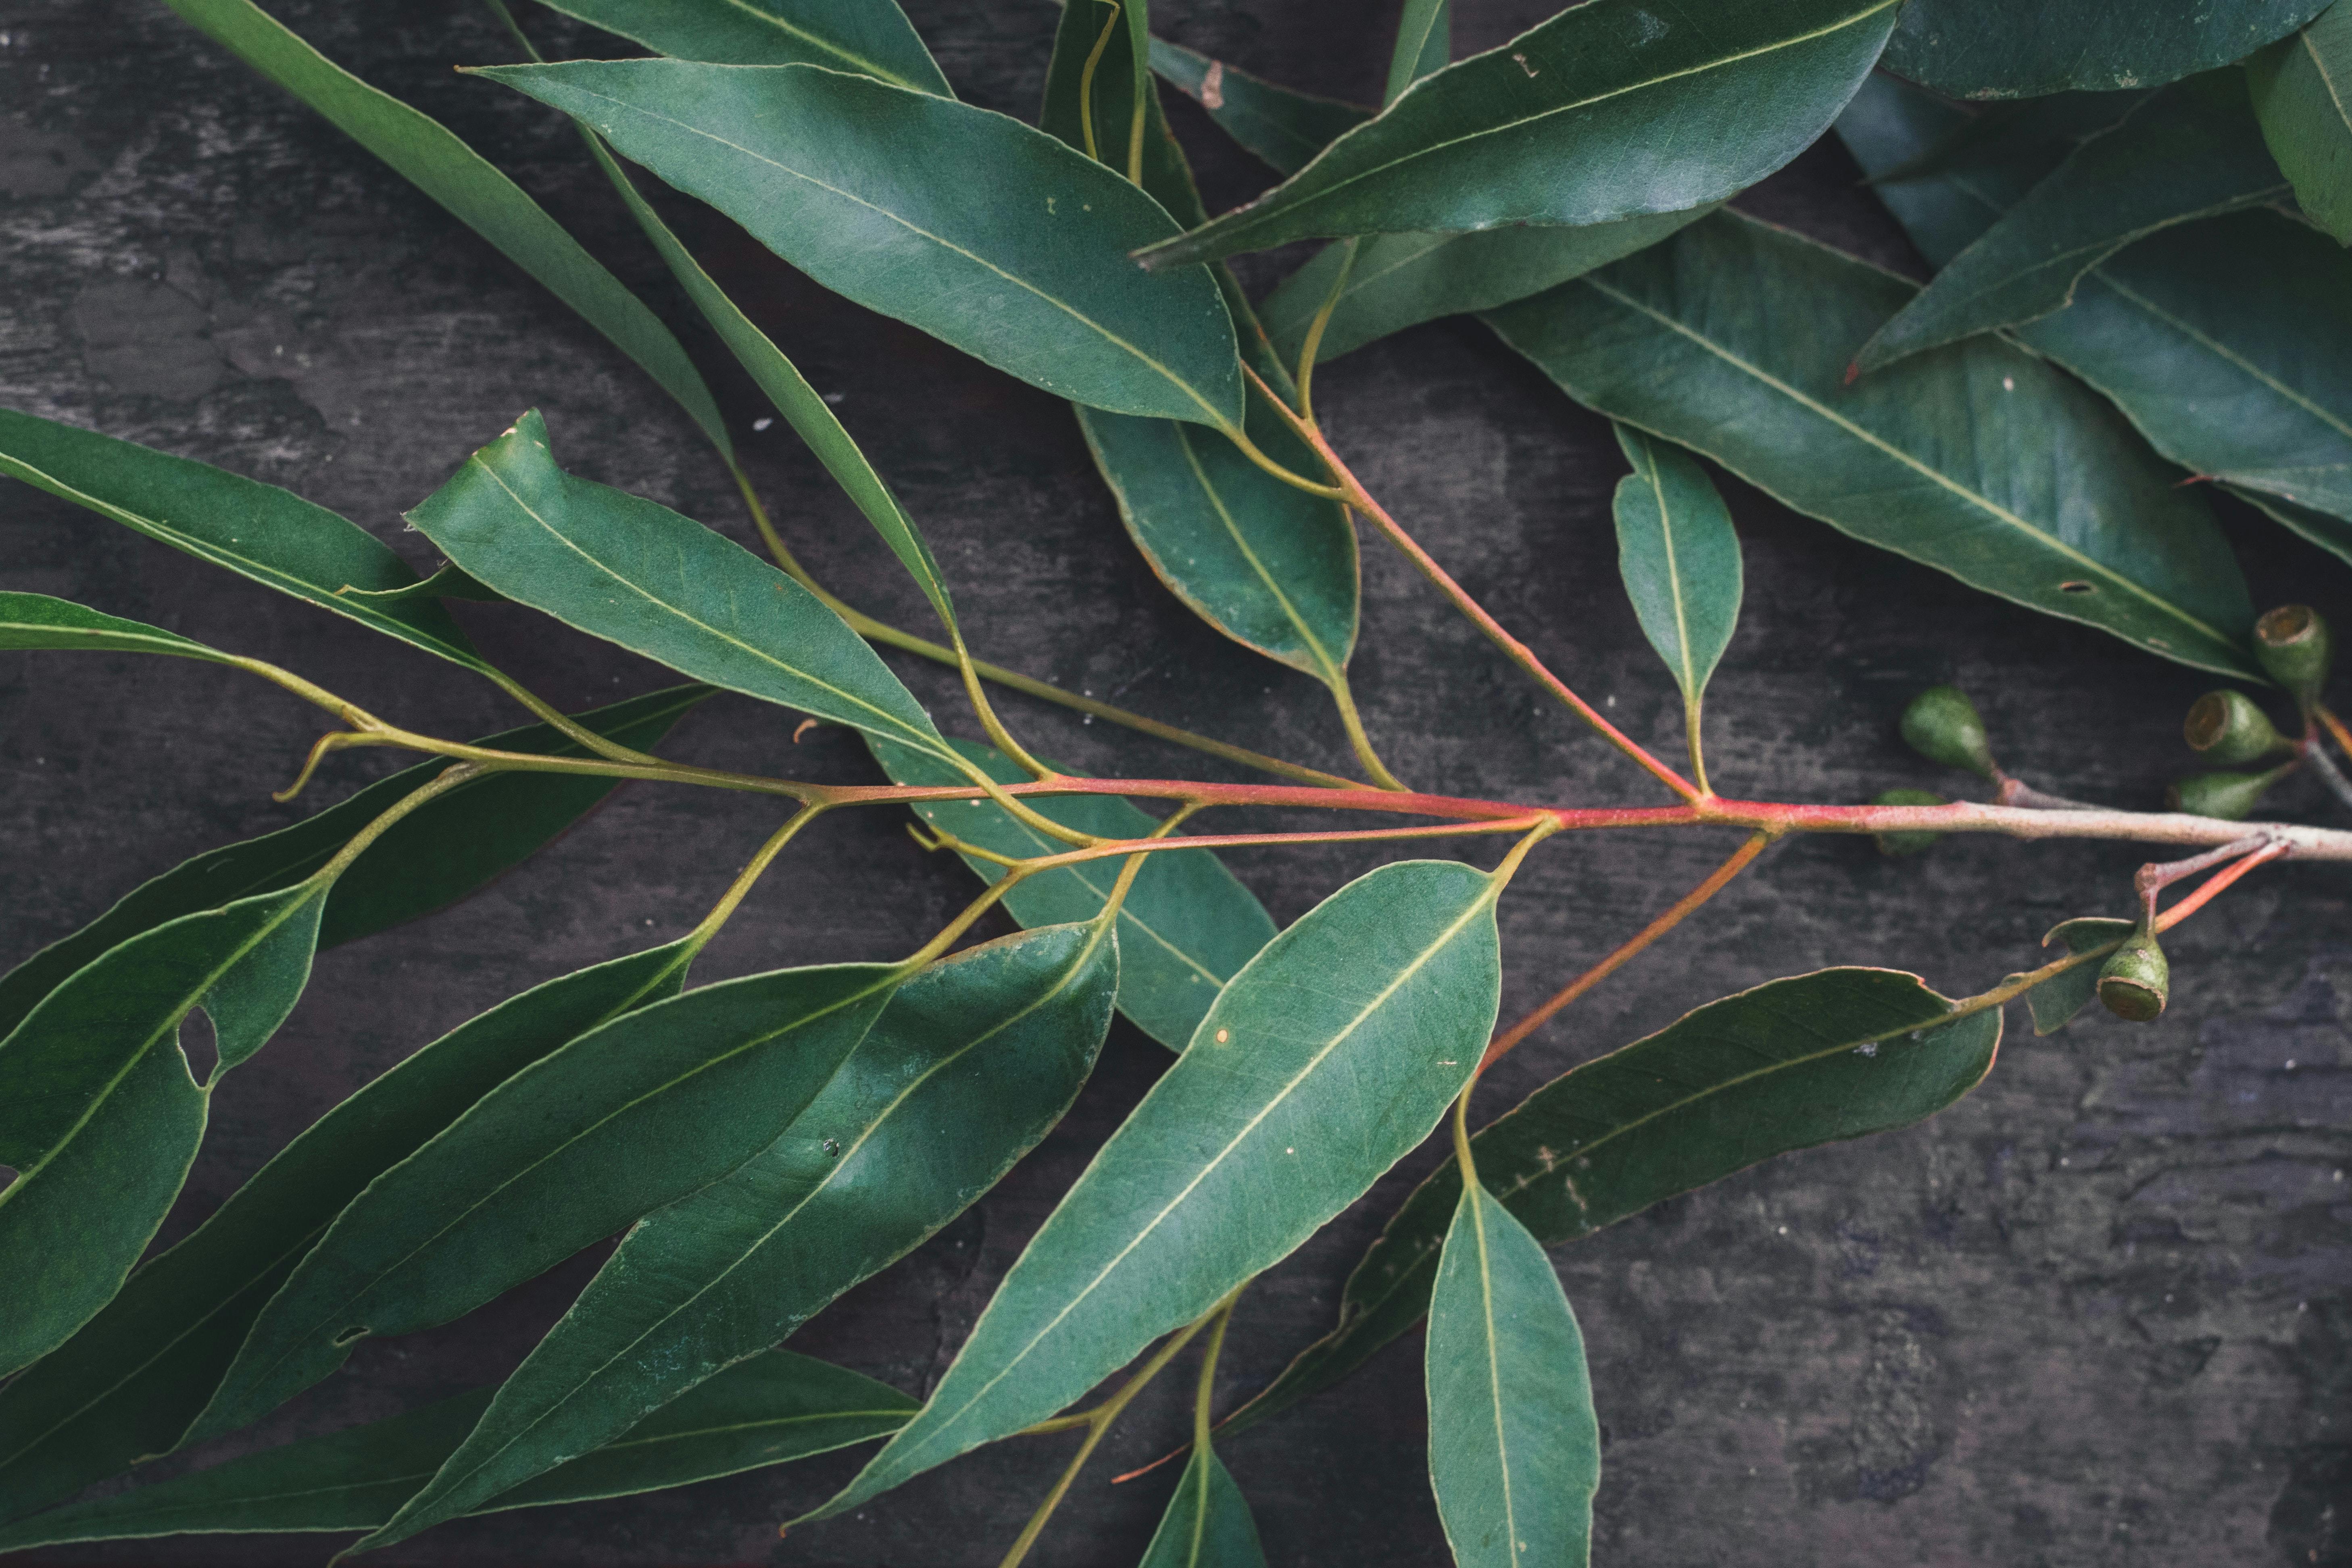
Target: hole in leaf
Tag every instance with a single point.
(356, 1332)
(2078, 586)
(200, 1044)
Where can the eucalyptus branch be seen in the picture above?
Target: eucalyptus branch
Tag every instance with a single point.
(2316, 753)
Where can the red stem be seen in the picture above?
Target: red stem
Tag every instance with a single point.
(2213, 885)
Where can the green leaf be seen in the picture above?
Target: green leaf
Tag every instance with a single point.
(2302, 89)
(964, 222)
(2023, 48)
(100, 1112)
(1188, 925)
(1283, 127)
(270, 535)
(447, 582)
(969, 1065)
(871, 37)
(442, 852)
(2189, 151)
(1794, 1063)
(1513, 1446)
(424, 151)
(1680, 559)
(628, 1117)
(775, 1407)
(1609, 110)
(2224, 342)
(1328, 1057)
(129, 1384)
(1401, 280)
(1208, 1522)
(635, 573)
(30, 622)
(2055, 1001)
(1425, 46)
(1731, 338)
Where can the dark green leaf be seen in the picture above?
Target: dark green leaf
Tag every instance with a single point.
(1401, 280)
(972, 1062)
(1283, 127)
(1514, 1446)
(1208, 1522)
(1609, 110)
(258, 530)
(1680, 559)
(1424, 45)
(132, 1380)
(775, 1407)
(2302, 89)
(1328, 1057)
(1791, 1064)
(1187, 926)
(422, 151)
(1977, 459)
(447, 582)
(636, 573)
(872, 37)
(2188, 151)
(625, 1119)
(2055, 1001)
(2023, 48)
(967, 223)
(31, 622)
(100, 1112)
(2329, 532)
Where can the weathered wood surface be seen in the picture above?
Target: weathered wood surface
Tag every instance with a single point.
(2099, 1313)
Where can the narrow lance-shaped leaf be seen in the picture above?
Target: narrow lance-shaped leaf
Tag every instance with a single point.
(776, 1407)
(871, 37)
(1513, 1446)
(36, 622)
(1609, 108)
(628, 1117)
(259, 531)
(1791, 1064)
(969, 1065)
(1680, 560)
(964, 222)
(635, 573)
(422, 151)
(1284, 128)
(1424, 45)
(1976, 459)
(1327, 1059)
(2024, 48)
(1208, 1522)
(2189, 151)
(129, 1384)
(2302, 89)
(1187, 927)
(100, 1112)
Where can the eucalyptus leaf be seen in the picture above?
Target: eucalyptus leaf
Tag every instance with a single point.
(1187, 927)
(1322, 1063)
(447, 583)
(775, 1407)
(2302, 89)
(1425, 46)
(1794, 1063)
(127, 1385)
(2329, 532)
(1611, 109)
(871, 37)
(971, 1063)
(259, 531)
(1284, 128)
(33, 623)
(2189, 151)
(2055, 1001)
(2023, 48)
(1680, 559)
(630, 1116)
(100, 1111)
(1208, 1522)
(1976, 459)
(1513, 1446)
(635, 573)
(964, 222)
(424, 151)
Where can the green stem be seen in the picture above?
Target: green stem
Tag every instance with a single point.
(1343, 696)
(1698, 751)
(1314, 343)
(729, 901)
(1086, 82)
(358, 846)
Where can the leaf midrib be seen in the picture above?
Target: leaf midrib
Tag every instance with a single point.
(867, 67)
(1322, 656)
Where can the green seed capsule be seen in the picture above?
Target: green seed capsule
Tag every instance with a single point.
(2229, 797)
(2225, 727)
(2136, 979)
(2294, 647)
(1907, 841)
(1943, 726)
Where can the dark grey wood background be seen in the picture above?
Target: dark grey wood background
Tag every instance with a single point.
(2100, 1313)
